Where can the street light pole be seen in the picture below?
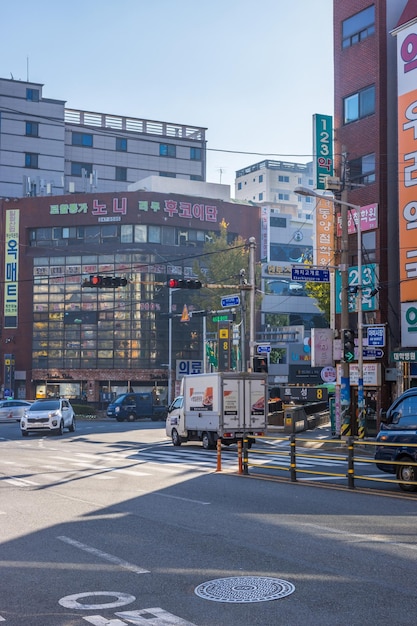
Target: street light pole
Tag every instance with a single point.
(344, 317)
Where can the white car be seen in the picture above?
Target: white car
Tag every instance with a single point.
(51, 415)
(13, 409)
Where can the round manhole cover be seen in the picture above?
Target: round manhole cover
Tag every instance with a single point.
(244, 589)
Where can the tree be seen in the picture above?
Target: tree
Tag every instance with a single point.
(222, 264)
(321, 293)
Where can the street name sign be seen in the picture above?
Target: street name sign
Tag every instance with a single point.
(310, 274)
(230, 301)
(263, 349)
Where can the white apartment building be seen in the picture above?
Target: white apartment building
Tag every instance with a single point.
(47, 149)
(272, 183)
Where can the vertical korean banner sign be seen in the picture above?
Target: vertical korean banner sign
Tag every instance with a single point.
(407, 178)
(322, 149)
(11, 269)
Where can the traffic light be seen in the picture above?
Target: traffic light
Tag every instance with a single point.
(184, 283)
(106, 282)
(348, 345)
(260, 364)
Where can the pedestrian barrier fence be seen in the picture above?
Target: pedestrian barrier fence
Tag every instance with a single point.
(290, 454)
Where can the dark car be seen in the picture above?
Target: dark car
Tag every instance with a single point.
(398, 434)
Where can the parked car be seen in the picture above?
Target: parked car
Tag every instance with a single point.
(13, 409)
(399, 430)
(52, 415)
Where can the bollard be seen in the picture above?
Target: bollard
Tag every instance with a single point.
(239, 457)
(293, 473)
(219, 455)
(245, 456)
(351, 469)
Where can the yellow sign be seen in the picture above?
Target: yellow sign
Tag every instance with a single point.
(224, 333)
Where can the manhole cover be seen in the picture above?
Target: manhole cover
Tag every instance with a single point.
(244, 589)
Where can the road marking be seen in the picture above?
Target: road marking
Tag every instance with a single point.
(104, 555)
(71, 602)
(20, 482)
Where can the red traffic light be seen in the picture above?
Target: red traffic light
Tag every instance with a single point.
(181, 283)
(109, 282)
(96, 281)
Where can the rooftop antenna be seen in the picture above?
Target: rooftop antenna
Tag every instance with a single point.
(221, 171)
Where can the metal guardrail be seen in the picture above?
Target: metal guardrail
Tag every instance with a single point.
(349, 451)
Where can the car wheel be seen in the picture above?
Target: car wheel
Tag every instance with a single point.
(131, 417)
(120, 419)
(408, 474)
(176, 439)
(72, 426)
(207, 441)
(25, 433)
(60, 429)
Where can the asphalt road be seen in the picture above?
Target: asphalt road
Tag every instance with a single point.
(105, 526)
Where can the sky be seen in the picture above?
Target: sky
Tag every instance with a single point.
(253, 72)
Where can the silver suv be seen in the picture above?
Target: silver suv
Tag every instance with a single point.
(48, 416)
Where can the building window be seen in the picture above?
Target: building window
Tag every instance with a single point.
(261, 178)
(81, 169)
(195, 154)
(196, 177)
(167, 150)
(121, 174)
(283, 179)
(31, 160)
(121, 144)
(32, 95)
(362, 170)
(359, 105)
(32, 129)
(82, 139)
(239, 186)
(283, 196)
(358, 27)
(168, 174)
(261, 197)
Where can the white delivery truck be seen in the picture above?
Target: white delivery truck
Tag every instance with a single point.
(222, 405)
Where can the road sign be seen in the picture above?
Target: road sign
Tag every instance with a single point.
(230, 301)
(376, 336)
(373, 353)
(310, 274)
(224, 317)
(264, 349)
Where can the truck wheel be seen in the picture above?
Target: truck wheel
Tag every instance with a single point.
(131, 417)
(176, 439)
(120, 419)
(207, 441)
(407, 473)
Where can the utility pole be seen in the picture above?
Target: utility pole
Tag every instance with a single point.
(345, 400)
(252, 247)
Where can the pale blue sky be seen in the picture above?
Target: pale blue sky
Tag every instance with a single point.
(252, 72)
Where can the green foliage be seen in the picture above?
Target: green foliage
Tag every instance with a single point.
(81, 410)
(321, 293)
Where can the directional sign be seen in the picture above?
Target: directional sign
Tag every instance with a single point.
(230, 301)
(310, 274)
(373, 353)
(264, 349)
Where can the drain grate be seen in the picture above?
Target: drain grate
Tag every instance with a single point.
(244, 589)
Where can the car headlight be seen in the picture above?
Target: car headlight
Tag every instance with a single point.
(117, 409)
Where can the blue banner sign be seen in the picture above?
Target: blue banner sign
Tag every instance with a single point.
(310, 274)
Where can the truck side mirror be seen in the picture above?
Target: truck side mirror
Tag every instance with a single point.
(383, 416)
